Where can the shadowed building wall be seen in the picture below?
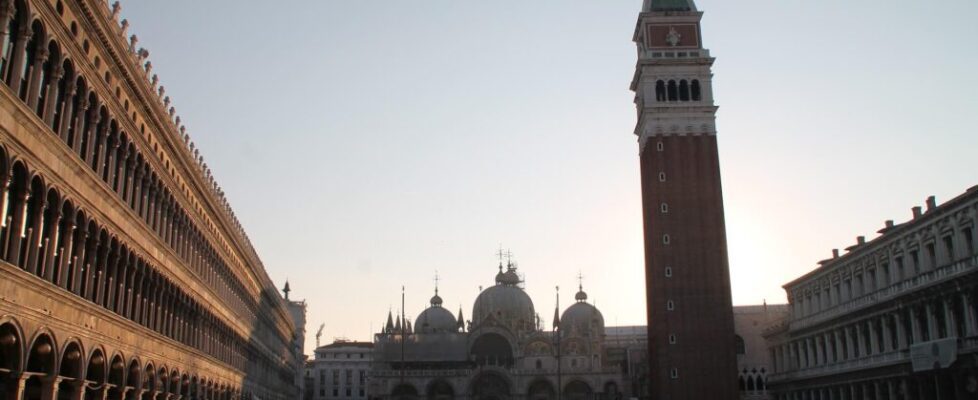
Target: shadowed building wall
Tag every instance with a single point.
(124, 273)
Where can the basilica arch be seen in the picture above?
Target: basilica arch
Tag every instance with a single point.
(490, 386)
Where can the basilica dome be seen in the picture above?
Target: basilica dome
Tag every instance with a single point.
(582, 318)
(506, 302)
(435, 319)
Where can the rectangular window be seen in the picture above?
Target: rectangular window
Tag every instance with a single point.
(969, 241)
(668, 272)
(949, 248)
(670, 305)
(899, 271)
(932, 255)
(674, 374)
(672, 339)
(363, 377)
(348, 376)
(336, 377)
(336, 392)
(916, 261)
(348, 392)
(659, 146)
(322, 377)
(361, 392)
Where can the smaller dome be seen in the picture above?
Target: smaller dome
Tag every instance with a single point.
(435, 319)
(436, 300)
(510, 278)
(580, 296)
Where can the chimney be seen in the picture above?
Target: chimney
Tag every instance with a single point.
(835, 253)
(916, 211)
(889, 223)
(931, 203)
(861, 240)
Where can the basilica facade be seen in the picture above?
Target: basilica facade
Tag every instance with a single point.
(503, 352)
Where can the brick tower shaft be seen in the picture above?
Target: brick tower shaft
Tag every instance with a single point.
(690, 315)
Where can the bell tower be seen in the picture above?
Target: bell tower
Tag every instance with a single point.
(690, 313)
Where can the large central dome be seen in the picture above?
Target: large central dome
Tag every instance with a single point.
(506, 302)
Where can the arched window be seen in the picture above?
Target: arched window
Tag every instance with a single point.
(695, 91)
(683, 90)
(660, 91)
(9, 42)
(750, 384)
(741, 347)
(673, 91)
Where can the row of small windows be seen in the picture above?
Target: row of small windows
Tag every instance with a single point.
(682, 91)
(890, 271)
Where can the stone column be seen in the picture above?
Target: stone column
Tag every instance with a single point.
(915, 333)
(34, 234)
(901, 332)
(931, 321)
(15, 386)
(849, 343)
(819, 351)
(887, 333)
(17, 221)
(950, 324)
(67, 249)
(51, 97)
(79, 118)
(67, 108)
(829, 351)
(873, 340)
(78, 390)
(838, 346)
(969, 314)
(49, 387)
(54, 224)
(40, 57)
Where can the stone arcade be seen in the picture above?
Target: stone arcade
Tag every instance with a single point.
(125, 274)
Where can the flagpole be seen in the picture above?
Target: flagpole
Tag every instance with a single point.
(403, 325)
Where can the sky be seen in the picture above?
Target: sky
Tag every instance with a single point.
(367, 145)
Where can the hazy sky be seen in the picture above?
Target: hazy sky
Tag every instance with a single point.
(365, 144)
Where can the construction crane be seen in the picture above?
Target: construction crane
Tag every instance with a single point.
(319, 334)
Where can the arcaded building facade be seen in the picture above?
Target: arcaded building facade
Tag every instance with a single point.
(123, 271)
(690, 317)
(892, 318)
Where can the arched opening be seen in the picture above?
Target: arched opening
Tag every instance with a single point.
(13, 228)
(440, 390)
(541, 390)
(40, 364)
(33, 220)
(660, 90)
(740, 346)
(683, 90)
(492, 349)
(149, 383)
(10, 41)
(750, 383)
(70, 371)
(133, 377)
(117, 378)
(404, 391)
(673, 91)
(10, 354)
(611, 391)
(578, 390)
(46, 79)
(695, 91)
(489, 386)
(95, 375)
(31, 51)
